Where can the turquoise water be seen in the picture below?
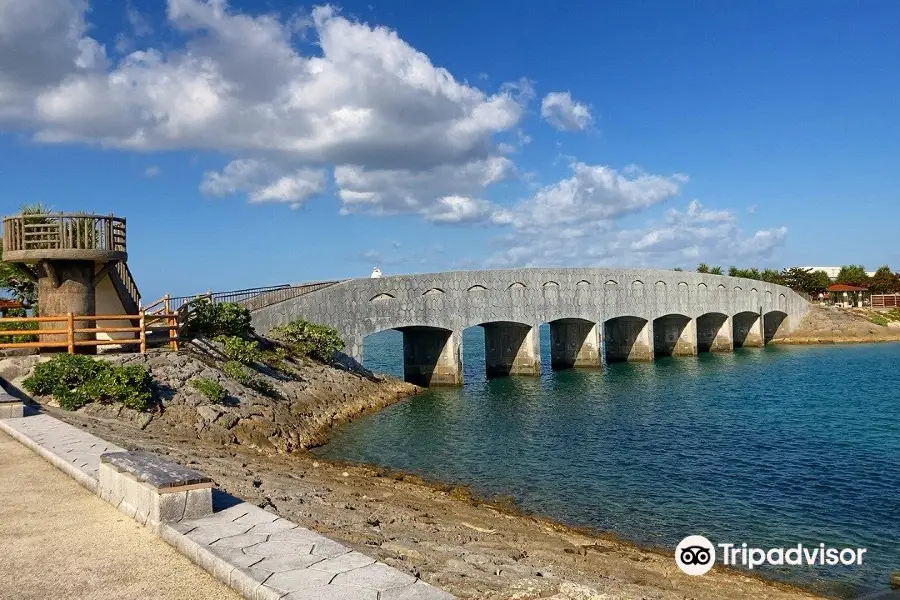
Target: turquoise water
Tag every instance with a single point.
(769, 446)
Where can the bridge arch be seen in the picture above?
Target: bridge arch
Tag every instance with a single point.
(674, 335)
(775, 322)
(574, 342)
(380, 297)
(628, 338)
(714, 333)
(433, 292)
(511, 348)
(747, 330)
(476, 288)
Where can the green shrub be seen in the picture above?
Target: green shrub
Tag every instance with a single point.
(243, 376)
(209, 388)
(244, 351)
(75, 380)
(275, 358)
(221, 318)
(19, 338)
(308, 339)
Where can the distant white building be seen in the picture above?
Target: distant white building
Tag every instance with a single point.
(831, 271)
(376, 273)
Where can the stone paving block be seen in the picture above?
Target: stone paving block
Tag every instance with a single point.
(279, 549)
(345, 562)
(277, 564)
(236, 558)
(170, 507)
(333, 592)
(298, 579)
(273, 527)
(198, 503)
(298, 534)
(417, 591)
(207, 533)
(329, 549)
(239, 542)
(378, 576)
(256, 515)
(242, 582)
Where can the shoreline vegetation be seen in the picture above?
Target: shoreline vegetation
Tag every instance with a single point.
(251, 434)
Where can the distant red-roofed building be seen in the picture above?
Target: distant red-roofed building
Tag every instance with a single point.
(842, 294)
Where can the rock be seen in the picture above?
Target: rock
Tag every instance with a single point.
(228, 420)
(208, 412)
(143, 420)
(894, 580)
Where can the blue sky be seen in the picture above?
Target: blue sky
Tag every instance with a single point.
(252, 143)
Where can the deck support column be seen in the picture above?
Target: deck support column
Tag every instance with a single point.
(67, 286)
(431, 356)
(628, 339)
(675, 335)
(511, 349)
(748, 330)
(715, 333)
(574, 343)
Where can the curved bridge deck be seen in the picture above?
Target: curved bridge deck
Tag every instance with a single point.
(615, 314)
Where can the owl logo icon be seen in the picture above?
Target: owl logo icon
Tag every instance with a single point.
(695, 555)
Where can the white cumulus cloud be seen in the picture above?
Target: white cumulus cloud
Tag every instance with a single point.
(263, 182)
(564, 113)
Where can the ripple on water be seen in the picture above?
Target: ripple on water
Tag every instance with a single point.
(771, 447)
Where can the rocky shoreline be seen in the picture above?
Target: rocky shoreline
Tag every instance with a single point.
(829, 325)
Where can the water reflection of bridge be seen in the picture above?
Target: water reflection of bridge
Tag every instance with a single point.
(594, 315)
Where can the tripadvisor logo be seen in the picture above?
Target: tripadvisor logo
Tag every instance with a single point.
(696, 555)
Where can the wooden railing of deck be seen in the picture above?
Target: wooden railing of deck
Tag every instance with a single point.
(63, 232)
(147, 324)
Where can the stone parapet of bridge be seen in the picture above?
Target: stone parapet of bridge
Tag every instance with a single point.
(594, 314)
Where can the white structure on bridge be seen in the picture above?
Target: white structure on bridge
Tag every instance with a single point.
(618, 314)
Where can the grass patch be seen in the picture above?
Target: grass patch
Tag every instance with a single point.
(209, 388)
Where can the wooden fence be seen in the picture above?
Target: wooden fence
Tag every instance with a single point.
(885, 300)
(147, 325)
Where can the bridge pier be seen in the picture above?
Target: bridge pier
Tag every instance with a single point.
(574, 343)
(628, 339)
(511, 349)
(715, 333)
(748, 330)
(675, 335)
(431, 356)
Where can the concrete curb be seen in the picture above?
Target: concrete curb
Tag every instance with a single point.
(69, 469)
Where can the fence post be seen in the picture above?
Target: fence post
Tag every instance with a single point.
(143, 332)
(70, 330)
(170, 320)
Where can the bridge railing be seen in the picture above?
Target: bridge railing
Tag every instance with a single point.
(176, 302)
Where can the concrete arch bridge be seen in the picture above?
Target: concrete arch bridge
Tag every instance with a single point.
(594, 315)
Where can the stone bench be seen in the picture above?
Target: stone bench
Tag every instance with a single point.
(10, 406)
(153, 490)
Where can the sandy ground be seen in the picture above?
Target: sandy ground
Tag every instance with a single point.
(60, 541)
(471, 549)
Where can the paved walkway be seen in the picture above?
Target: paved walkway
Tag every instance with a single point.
(60, 541)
